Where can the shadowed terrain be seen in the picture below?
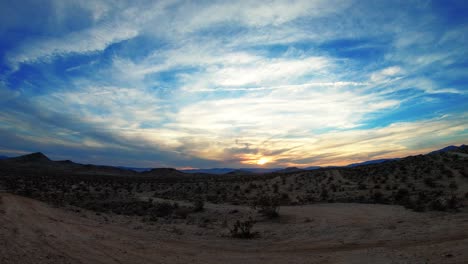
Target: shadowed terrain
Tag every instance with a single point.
(410, 210)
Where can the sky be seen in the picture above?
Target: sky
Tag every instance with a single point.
(202, 84)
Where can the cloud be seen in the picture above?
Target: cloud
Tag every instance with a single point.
(396, 140)
(82, 42)
(260, 72)
(384, 74)
(272, 112)
(256, 14)
(7, 94)
(36, 124)
(182, 83)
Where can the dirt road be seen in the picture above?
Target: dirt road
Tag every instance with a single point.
(34, 232)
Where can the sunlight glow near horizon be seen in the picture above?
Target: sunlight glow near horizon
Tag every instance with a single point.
(263, 161)
(232, 84)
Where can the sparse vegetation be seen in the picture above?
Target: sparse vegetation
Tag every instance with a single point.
(267, 205)
(414, 182)
(198, 204)
(243, 229)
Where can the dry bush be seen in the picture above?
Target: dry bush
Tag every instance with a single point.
(243, 229)
(267, 205)
(198, 204)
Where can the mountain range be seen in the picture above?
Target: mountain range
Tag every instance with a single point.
(38, 158)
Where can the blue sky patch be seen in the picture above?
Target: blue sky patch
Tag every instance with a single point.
(191, 84)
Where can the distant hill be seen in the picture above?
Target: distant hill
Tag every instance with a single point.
(446, 149)
(437, 181)
(289, 169)
(370, 162)
(36, 157)
(312, 168)
(449, 148)
(134, 169)
(38, 160)
(239, 172)
(220, 171)
(166, 172)
(210, 171)
(260, 170)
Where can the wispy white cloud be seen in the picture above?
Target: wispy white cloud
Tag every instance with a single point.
(384, 74)
(298, 108)
(86, 41)
(260, 72)
(113, 108)
(296, 82)
(345, 147)
(256, 14)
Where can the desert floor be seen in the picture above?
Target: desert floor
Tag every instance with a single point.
(35, 232)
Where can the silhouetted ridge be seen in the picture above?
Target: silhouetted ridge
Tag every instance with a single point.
(239, 172)
(34, 157)
(370, 162)
(66, 162)
(290, 169)
(461, 148)
(164, 172)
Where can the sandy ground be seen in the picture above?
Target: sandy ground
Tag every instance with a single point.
(34, 232)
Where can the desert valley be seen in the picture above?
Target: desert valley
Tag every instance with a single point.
(410, 210)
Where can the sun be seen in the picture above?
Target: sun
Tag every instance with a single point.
(262, 161)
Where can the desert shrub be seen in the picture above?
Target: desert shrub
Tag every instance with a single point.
(453, 185)
(182, 212)
(360, 199)
(430, 182)
(378, 197)
(464, 173)
(198, 204)
(401, 195)
(162, 209)
(418, 205)
(253, 186)
(267, 205)
(449, 173)
(454, 202)
(243, 229)
(213, 198)
(324, 194)
(439, 204)
(285, 198)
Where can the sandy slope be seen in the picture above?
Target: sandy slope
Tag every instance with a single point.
(33, 232)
